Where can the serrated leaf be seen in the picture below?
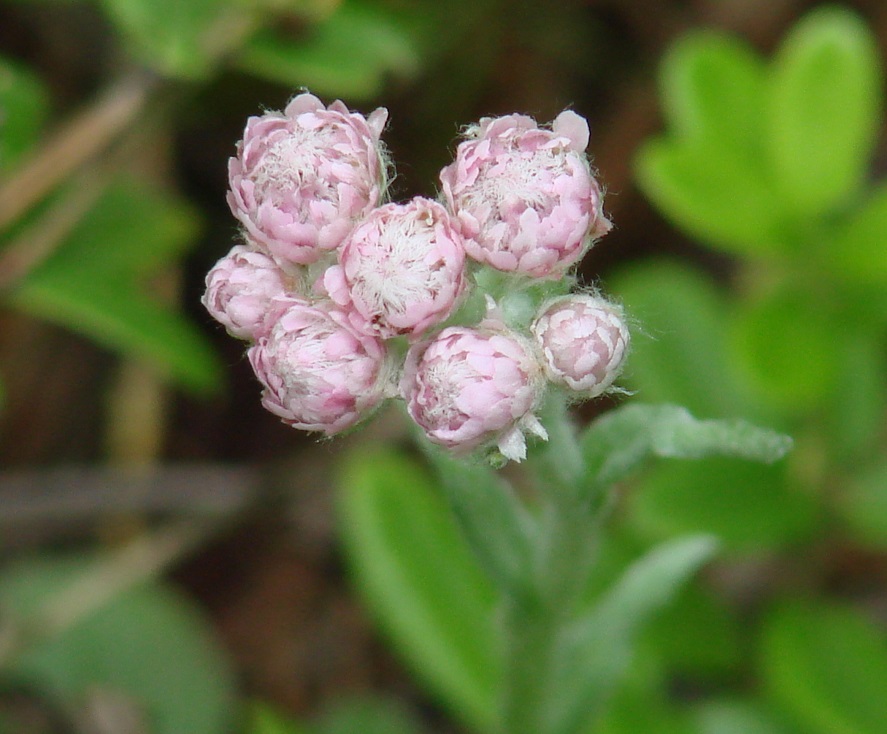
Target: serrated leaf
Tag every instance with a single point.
(827, 665)
(748, 506)
(349, 54)
(148, 643)
(176, 38)
(24, 105)
(721, 198)
(824, 109)
(596, 651)
(713, 88)
(93, 284)
(624, 440)
(421, 581)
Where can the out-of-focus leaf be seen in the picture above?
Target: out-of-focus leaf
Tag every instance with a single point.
(717, 196)
(421, 581)
(748, 506)
(148, 643)
(695, 634)
(595, 652)
(729, 716)
(349, 54)
(824, 109)
(863, 506)
(713, 89)
(624, 440)
(827, 665)
(789, 343)
(679, 349)
(92, 283)
(858, 252)
(493, 519)
(23, 108)
(177, 37)
(265, 720)
(366, 716)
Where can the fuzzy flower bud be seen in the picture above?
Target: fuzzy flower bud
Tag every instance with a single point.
(302, 178)
(239, 291)
(472, 387)
(525, 197)
(401, 270)
(583, 340)
(318, 373)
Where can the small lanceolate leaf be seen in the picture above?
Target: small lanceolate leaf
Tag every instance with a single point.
(858, 253)
(349, 54)
(595, 652)
(724, 200)
(493, 519)
(148, 644)
(712, 89)
(367, 716)
(624, 440)
(824, 110)
(736, 716)
(827, 665)
(862, 503)
(23, 109)
(421, 581)
(265, 720)
(92, 283)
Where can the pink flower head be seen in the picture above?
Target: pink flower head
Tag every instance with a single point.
(302, 178)
(401, 270)
(318, 373)
(583, 340)
(525, 196)
(472, 387)
(239, 291)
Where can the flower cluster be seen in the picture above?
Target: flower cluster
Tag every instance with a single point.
(460, 307)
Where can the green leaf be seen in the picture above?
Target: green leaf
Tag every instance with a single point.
(679, 349)
(736, 716)
(824, 110)
(177, 38)
(350, 54)
(624, 440)
(857, 253)
(24, 105)
(789, 342)
(92, 283)
(748, 506)
(148, 643)
(722, 199)
(863, 506)
(827, 665)
(421, 581)
(367, 716)
(265, 720)
(494, 521)
(596, 651)
(712, 89)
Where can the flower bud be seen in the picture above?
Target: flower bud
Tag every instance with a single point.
(401, 270)
(302, 178)
(472, 387)
(318, 373)
(525, 197)
(583, 340)
(239, 290)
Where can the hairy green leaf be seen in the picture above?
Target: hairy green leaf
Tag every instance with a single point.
(421, 581)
